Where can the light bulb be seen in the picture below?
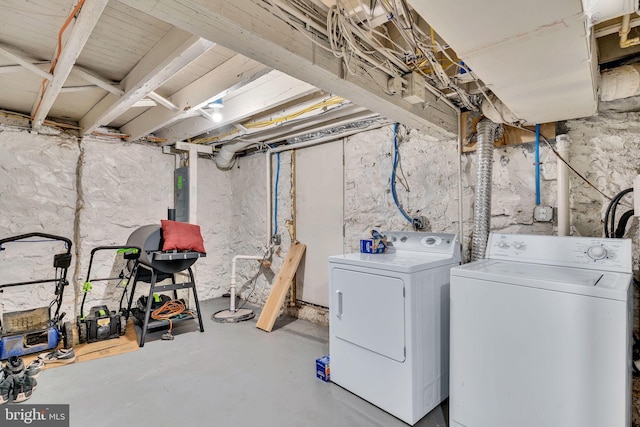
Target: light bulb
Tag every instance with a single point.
(216, 116)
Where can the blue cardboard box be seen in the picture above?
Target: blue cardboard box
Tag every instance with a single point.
(322, 368)
(372, 246)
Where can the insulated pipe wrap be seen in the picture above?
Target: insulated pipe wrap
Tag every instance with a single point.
(482, 206)
(621, 82)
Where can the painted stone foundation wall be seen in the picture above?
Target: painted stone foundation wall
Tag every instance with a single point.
(98, 191)
(95, 193)
(37, 194)
(604, 149)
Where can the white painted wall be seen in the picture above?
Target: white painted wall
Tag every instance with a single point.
(248, 223)
(121, 187)
(95, 193)
(214, 218)
(319, 216)
(37, 194)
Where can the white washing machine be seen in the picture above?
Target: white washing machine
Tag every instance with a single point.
(541, 334)
(389, 322)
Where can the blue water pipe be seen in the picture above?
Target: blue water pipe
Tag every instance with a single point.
(393, 173)
(275, 198)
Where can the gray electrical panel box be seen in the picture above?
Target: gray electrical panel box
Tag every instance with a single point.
(181, 194)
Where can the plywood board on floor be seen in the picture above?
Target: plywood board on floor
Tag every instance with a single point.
(280, 287)
(124, 344)
(90, 351)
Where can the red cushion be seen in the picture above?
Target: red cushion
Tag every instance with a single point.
(181, 236)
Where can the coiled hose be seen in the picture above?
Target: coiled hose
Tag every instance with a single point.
(482, 205)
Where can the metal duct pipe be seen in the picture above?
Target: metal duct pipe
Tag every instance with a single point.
(482, 206)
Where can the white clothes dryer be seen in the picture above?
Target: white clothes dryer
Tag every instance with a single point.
(389, 322)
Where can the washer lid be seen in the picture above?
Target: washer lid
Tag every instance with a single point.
(398, 261)
(602, 284)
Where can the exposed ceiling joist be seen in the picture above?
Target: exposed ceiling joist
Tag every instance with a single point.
(96, 80)
(28, 64)
(85, 22)
(163, 101)
(246, 27)
(267, 92)
(5, 69)
(34, 66)
(175, 51)
(70, 89)
(235, 71)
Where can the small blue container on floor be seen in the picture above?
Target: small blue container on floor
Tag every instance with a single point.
(322, 368)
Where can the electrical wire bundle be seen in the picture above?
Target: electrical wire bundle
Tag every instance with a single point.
(358, 38)
(610, 228)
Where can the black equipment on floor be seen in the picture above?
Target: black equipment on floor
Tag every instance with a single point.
(101, 323)
(156, 265)
(32, 331)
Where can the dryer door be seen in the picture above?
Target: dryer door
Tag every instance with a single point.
(368, 310)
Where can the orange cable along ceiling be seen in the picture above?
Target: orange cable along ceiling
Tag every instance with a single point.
(71, 16)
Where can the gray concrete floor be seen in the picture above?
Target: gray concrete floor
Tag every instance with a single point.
(232, 374)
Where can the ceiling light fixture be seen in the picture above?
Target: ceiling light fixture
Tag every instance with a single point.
(216, 116)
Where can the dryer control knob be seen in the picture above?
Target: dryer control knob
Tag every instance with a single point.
(431, 241)
(597, 252)
(519, 245)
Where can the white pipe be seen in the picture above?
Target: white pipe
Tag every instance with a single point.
(460, 192)
(310, 143)
(562, 146)
(615, 28)
(625, 29)
(224, 157)
(232, 288)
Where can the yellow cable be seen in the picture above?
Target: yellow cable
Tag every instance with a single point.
(334, 100)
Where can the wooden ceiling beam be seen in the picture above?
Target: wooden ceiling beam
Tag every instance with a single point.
(176, 50)
(246, 27)
(265, 93)
(236, 71)
(85, 22)
(24, 62)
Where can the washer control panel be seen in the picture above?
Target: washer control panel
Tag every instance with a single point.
(587, 252)
(422, 241)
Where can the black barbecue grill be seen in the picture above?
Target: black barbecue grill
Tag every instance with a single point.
(156, 265)
(149, 238)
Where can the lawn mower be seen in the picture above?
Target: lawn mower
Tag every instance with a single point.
(32, 331)
(101, 323)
